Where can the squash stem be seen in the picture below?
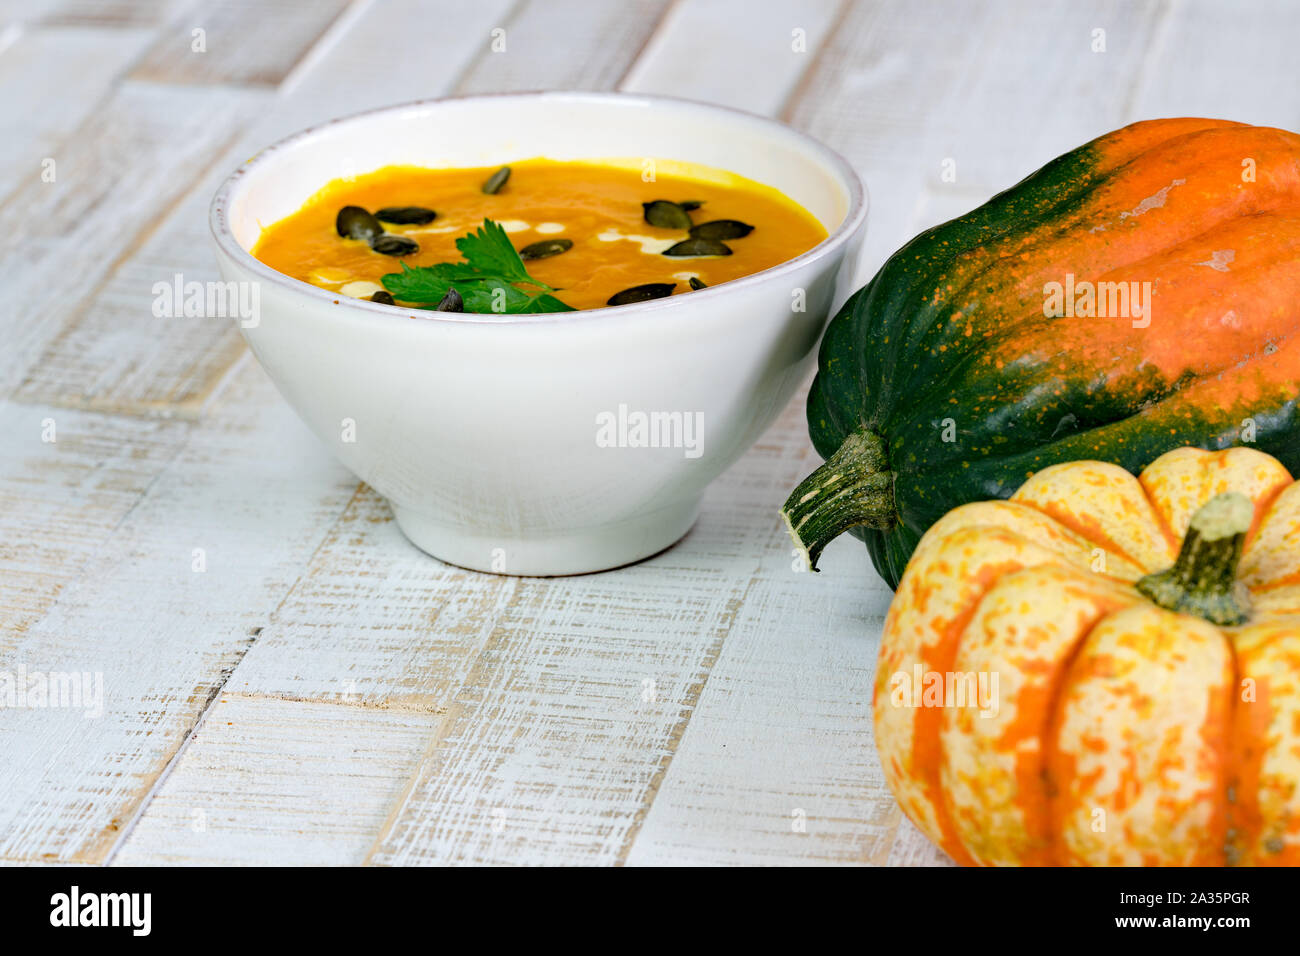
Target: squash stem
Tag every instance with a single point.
(853, 487)
(1203, 580)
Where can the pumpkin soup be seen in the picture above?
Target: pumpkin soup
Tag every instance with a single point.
(536, 236)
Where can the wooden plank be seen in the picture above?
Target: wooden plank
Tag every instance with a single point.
(111, 352)
(163, 612)
(255, 42)
(98, 13)
(376, 622)
(55, 99)
(300, 784)
(593, 50)
(903, 88)
(542, 679)
(569, 717)
(1227, 61)
(778, 764)
(116, 176)
(749, 54)
(67, 480)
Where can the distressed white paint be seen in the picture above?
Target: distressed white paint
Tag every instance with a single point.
(55, 98)
(749, 54)
(317, 780)
(117, 174)
(391, 708)
(163, 609)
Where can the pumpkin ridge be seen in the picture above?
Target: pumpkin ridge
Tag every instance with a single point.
(1270, 647)
(1110, 711)
(1244, 814)
(1218, 734)
(1263, 508)
(1049, 746)
(1162, 519)
(922, 727)
(1040, 665)
(1287, 581)
(927, 726)
(1105, 543)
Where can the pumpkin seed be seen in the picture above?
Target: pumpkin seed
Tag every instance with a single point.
(406, 215)
(545, 248)
(722, 229)
(451, 302)
(353, 222)
(642, 293)
(498, 179)
(697, 283)
(698, 246)
(666, 215)
(383, 297)
(390, 245)
(690, 205)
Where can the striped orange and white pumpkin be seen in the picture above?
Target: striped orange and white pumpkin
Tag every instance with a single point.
(1111, 730)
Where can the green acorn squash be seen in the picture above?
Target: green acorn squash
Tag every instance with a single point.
(1135, 295)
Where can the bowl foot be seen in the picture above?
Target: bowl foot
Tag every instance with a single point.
(583, 551)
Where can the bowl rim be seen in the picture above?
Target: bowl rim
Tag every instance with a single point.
(854, 216)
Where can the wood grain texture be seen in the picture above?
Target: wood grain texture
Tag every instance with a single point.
(111, 352)
(116, 177)
(202, 558)
(95, 13)
(279, 780)
(359, 700)
(375, 622)
(1226, 61)
(569, 719)
(55, 99)
(749, 54)
(67, 482)
(240, 42)
(777, 764)
(598, 44)
(902, 88)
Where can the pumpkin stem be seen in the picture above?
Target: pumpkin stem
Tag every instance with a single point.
(853, 487)
(1203, 580)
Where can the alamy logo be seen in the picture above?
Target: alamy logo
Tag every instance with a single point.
(923, 688)
(74, 908)
(208, 300)
(633, 429)
(31, 690)
(1102, 300)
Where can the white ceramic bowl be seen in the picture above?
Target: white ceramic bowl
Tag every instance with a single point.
(490, 434)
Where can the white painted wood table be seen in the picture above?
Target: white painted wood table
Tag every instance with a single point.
(321, 692)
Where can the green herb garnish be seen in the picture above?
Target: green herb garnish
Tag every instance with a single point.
(491, 279)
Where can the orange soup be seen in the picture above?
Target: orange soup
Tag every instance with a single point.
(587, 235)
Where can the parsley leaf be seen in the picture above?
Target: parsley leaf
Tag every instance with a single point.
(488, 280)
(489, 249)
